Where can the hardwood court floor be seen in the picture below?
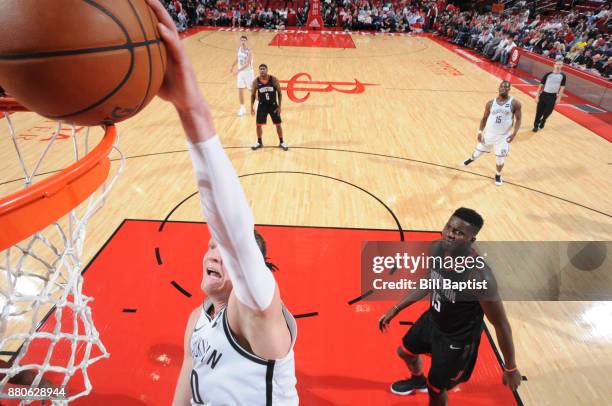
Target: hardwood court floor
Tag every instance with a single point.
(401, 140)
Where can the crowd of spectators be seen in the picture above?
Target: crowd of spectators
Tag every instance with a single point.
(383, 16)
(581, 40)
(219, 13)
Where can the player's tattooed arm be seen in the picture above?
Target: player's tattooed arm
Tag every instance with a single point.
(483, 121)
(493, 308)
(518, 117)
(253, 96)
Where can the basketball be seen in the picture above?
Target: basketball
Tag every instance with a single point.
(86, 62)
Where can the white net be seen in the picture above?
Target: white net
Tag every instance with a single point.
(47, 335)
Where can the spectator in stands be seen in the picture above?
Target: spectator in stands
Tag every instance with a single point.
(565, 35)
(483, 38)
(347, 19)
(432, 14)
(606, 70)
(501, 46)
(506, 52)
(581, 42)
(200, 14)
(557, 51)
(539, 43)
(585, 60)
(181, 24)
(489, 48)
(216, 18)
(599, 61)
(300, 17)
(235, 18)
(573, 55)
(191, 12)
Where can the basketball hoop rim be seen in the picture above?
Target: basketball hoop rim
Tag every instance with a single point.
(31, 209)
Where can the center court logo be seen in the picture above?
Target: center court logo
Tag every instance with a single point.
(302, 82)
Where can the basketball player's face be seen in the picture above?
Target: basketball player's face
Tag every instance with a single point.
(457, 235)
(263, 72)
(558, 66)
(215, 279)
(504, 89)
(243, 42)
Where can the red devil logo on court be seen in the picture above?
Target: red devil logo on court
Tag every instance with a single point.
(296, 84)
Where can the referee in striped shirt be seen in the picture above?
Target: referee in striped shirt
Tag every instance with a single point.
(550, 92)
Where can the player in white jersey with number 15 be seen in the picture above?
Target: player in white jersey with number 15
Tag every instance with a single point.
(239, 343)
(244, 74)
(500, 113)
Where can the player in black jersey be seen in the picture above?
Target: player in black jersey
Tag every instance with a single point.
(266, 88)
(450, 329)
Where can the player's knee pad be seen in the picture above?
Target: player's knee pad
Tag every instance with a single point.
(499, 160)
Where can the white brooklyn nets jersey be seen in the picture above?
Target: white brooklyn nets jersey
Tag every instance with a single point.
(243, 58)
(500, 119)
(225, 374)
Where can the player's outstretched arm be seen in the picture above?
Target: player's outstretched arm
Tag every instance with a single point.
(254, 304)
(182, 393)
(225, 206)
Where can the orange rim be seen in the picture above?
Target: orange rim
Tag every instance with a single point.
(28, 211)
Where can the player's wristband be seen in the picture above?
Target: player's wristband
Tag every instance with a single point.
(511, 369)
(479, 131)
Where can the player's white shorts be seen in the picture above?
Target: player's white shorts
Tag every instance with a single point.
(495, 142)
(245, 78)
